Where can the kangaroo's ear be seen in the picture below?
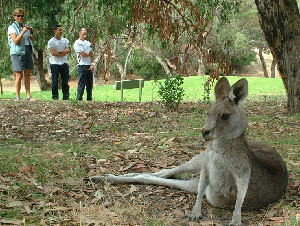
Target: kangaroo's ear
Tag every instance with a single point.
(222, 89)
(239, 91)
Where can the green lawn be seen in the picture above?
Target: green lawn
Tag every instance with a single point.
(259, 89)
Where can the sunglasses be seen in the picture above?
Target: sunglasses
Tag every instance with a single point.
(20, 16)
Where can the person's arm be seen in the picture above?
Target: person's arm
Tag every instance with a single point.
(54, 52)
(17, 38)
(91, 54)
(84, 54)
(65, 51)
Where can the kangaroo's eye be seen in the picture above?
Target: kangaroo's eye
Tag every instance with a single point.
(225, 116)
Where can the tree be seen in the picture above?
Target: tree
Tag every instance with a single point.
(280, 21)
(6, 15)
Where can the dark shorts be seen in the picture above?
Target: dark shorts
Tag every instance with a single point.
(22, 62)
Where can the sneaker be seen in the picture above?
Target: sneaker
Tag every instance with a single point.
(17, 98)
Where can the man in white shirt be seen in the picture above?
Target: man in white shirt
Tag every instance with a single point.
(85, 57)
(59, 49)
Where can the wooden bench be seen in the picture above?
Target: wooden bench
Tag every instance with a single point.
(130, 84)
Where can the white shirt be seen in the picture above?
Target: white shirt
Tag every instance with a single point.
(58, 45)
(83, 46)
(26, 35)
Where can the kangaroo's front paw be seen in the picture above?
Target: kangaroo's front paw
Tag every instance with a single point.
(235, 223)
(195, 216)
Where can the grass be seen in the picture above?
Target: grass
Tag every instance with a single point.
(46, 150)
(259, 89)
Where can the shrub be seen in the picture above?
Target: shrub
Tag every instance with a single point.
(171, 92)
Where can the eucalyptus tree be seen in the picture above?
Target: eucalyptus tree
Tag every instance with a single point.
(280, 21)
(6, 15)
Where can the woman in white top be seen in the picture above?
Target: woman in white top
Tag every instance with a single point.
(20, 38)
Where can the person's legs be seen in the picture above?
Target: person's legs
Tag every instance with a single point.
(89, 85)
(18, 81)
(65, 81)
(29, 66)
(81, 81)
(18, 67)
(55, 74)
(27, 84)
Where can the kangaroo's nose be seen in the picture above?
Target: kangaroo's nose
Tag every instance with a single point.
(205, 132)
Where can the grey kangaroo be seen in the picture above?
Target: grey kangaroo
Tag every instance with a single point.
(234, 173)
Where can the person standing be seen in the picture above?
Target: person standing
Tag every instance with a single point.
(59, 49)
(20, 39)
(85, 57)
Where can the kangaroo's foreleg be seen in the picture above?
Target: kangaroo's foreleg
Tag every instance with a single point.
(242, 183)
(196, 213)
(192, 166)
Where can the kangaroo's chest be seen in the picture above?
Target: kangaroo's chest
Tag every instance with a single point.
(222, 166)
(219, 168)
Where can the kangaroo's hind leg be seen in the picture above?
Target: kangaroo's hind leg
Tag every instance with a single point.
(143, 178)
(160, 177)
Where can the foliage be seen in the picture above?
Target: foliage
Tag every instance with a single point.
(171, 92)
(241, 35)
(146, 66)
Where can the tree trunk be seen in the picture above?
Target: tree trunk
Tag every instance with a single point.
(1, 87)
(263, 63)
(273, 67)
(44, 85)
(96, 61)
(280, 21)
(159, 59)
(118, 60)
(201, 66)
(127, 60)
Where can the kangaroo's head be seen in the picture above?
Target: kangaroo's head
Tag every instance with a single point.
(227, 118)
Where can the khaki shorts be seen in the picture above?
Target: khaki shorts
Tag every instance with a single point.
(22, 62)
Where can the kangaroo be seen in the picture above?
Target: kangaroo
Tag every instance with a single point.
(234, 173)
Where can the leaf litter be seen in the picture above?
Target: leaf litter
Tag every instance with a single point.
(100, 138)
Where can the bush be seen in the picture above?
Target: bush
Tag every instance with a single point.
(171, 92)
(243, 59)
(244, 54)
